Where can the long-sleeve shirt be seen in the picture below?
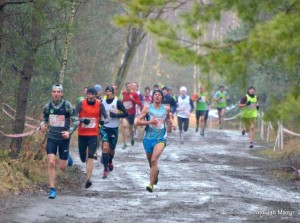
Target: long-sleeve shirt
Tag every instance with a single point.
(130, 100)
(60, 117)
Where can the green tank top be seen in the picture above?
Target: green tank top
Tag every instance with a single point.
(250, 111)
(201, 103)
(222, 96)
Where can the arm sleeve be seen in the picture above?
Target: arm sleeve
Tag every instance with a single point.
(192, 105)
(173, 105)
(121, 107)
(243, 100)
(45, 115)
(137, 99)
(74, 118)
(78, 107)
(103, 112)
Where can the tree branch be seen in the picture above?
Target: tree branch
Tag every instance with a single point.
(13, 2)
(15, 68)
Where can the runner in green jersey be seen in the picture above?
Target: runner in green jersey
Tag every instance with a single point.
(201, 109)
(249, 106)
(221, 98)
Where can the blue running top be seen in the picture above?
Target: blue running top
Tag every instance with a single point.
(156, 131)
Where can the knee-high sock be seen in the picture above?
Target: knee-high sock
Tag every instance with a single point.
(105, 158)
(111, 156)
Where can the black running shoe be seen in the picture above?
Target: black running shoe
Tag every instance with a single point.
(88, 183)
(251, 145)
(110, 167)
(105, 174)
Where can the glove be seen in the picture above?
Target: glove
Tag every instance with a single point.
(257, 107)
(248, 103)
(85, 121)
(101, 123)
(113, 115)
(199, 99)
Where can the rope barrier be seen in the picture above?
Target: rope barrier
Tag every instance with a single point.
(8, 113)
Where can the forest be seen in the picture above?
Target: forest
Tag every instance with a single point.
(175, 43)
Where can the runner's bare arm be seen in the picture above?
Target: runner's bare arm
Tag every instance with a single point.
(170, 121)
(140, 120)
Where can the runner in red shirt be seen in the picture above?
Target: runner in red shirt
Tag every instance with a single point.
(130, 100)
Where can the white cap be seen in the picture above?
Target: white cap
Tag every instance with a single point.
(59, 86)
(183, 88)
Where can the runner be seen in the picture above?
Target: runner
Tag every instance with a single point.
(221, 98)
(147, 98)
(201, 109)
(130, 99)
(135, 87)
(249, 106)
(110, 131)
(79, 99)
(159, 121)
(99, 91)
(168, 100)
(90, 111)
(99, 97)
(185, 107)
(57, 116)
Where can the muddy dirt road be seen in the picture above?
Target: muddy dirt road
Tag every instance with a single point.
(215, 178)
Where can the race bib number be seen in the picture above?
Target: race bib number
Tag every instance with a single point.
(183, 108)
(160, 123)
(57, 120)
(202, 99)
(252, 106)
(128, 104)
(91, 125)
(222, 100)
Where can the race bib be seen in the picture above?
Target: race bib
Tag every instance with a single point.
(252, 106)
(128, 104)
(183, 108)
(57, 120)
(202, 99)
(160, 123)
(91, 125)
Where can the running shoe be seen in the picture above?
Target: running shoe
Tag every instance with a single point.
(156, 180)
(110, 167)
(202, 132)
(149, 188)
(105, 174)
(132, 141)
(52, 193)
(251, 145)
(243, 132)
(95, 156)
(70, 161)
(181, 138)
(124, 146)
(88, 183)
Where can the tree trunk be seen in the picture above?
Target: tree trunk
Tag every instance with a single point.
(67, 44)
(23, 89)
(134, 38)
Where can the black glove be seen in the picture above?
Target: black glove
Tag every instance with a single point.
(248, 103)
(199, 99)
(85, 121)
(113, 115)
(257, 107)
